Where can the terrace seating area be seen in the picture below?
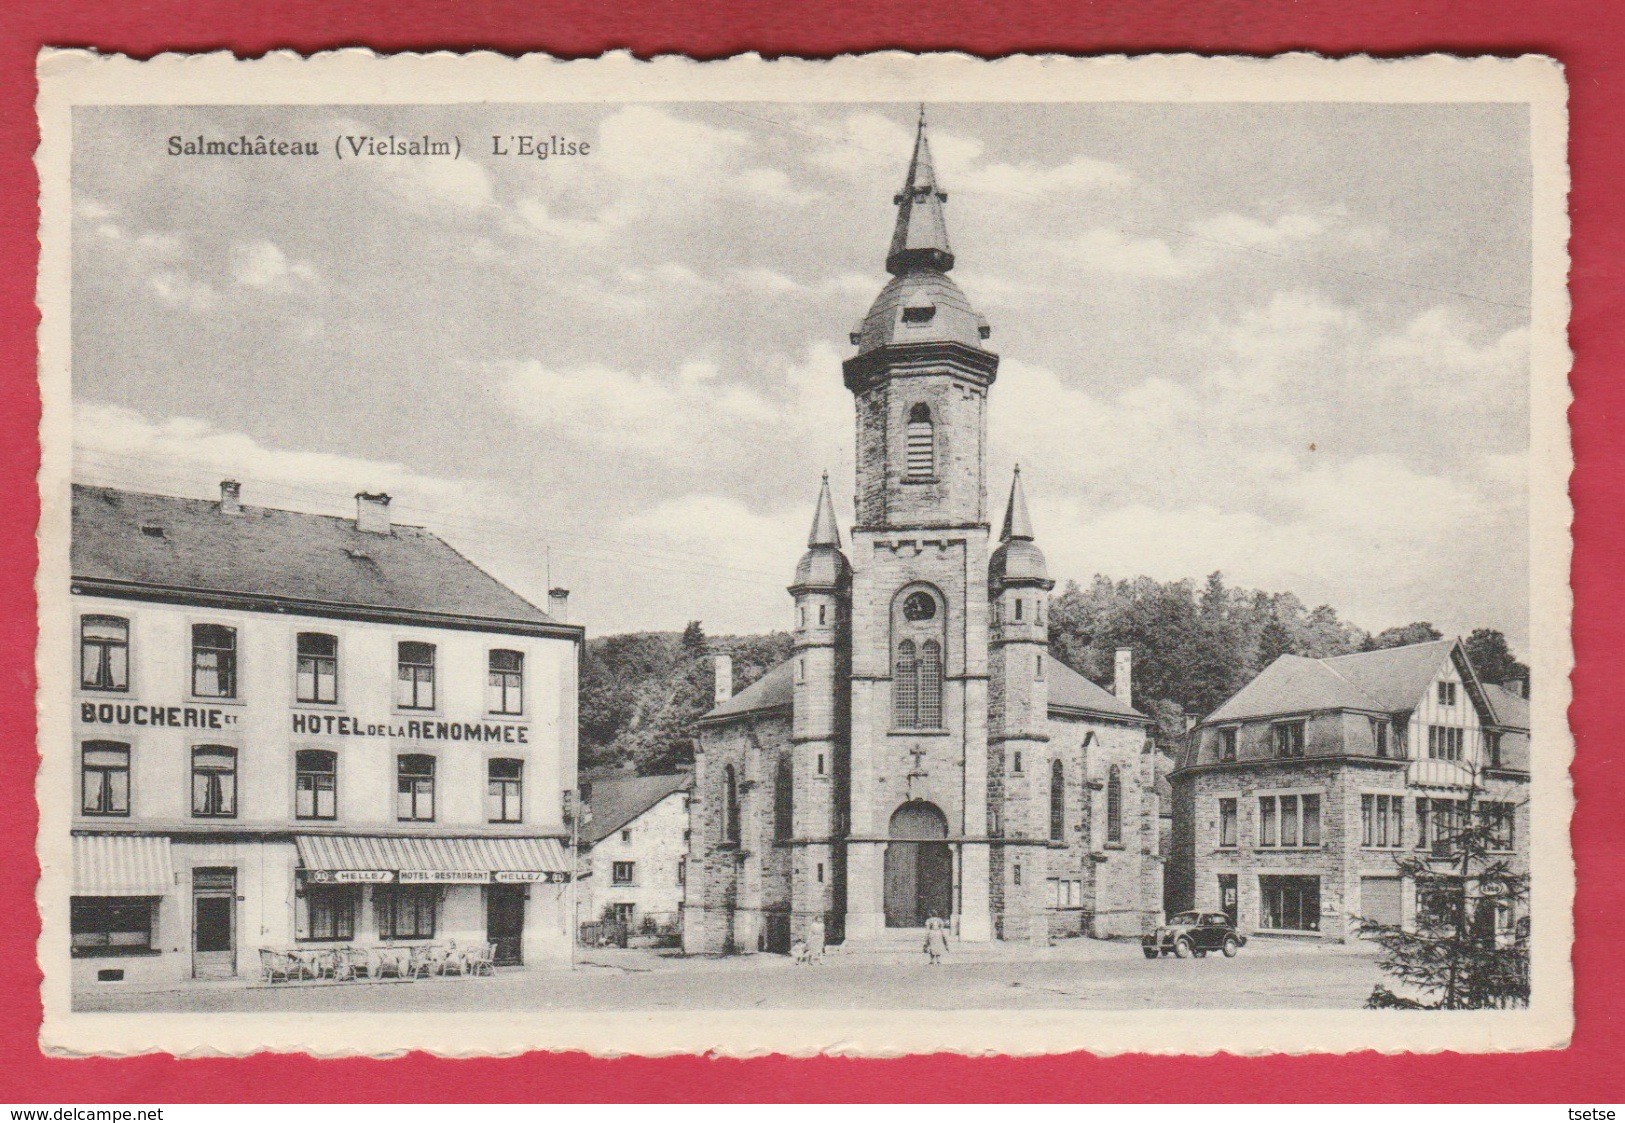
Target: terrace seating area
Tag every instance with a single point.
(353, 964)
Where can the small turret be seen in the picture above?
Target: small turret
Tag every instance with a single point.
(1017, 561)
(823, 567)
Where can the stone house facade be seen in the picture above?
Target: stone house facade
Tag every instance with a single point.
(921, 754)
(1293, 801)
(635, 851)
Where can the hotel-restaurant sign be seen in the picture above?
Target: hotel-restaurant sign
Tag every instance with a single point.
(434, 877)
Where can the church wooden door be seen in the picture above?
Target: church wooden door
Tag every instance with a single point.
(919, 873)
(902, 885)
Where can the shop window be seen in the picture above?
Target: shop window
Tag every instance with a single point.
(920, 442)
(214, 661)
(104, 926)
(1229, 835)
(327, 912)
(318, 670)
(1289, 904)
(1114, 807)
(504, 790)
(505, 685)
(315, 784)
(414, 678)
(406, 912)
(622, 873)
(104, 653)
(105, 778)
(214, 782)
(414, 788)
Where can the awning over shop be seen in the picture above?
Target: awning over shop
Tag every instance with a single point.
(121, 866)
(468, 861)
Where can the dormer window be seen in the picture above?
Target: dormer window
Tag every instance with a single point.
(921, 446)
(919, 315)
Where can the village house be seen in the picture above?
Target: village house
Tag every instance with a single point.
(634, 860)
(299, 731)
(1294, 799)
(921, 754)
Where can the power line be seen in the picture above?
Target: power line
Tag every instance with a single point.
(1124, 226)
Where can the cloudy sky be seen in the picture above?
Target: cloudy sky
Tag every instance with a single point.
(1286, 342)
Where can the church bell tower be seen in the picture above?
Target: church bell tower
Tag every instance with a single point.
(918, 840)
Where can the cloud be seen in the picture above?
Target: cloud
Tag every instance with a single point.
(185, 454)
(263, 265)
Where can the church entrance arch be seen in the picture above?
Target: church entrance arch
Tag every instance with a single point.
(919, 866)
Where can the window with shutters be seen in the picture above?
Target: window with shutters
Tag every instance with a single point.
(214, 661)
(104, 653)
(315, 784)
(920, 454)
(214, 782)
(318, 672)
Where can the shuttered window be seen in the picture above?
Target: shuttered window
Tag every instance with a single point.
(920, 444)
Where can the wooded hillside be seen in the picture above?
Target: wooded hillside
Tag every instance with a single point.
(1194, 645)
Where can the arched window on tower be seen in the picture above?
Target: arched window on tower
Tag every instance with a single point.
(930, 685)
(783, 801)
(921, 445)
(730, 805)
(1114, 807)
(1057, 801)
(906, 687)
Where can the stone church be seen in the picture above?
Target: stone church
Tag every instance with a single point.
(921, 754)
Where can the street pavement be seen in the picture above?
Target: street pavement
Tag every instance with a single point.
(1076, 974)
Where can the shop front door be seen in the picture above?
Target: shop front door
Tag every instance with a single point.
(505, 923)
(214, 922)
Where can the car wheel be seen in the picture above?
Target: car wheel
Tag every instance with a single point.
(1150, 953)
(1230, 946)
(1183, 949)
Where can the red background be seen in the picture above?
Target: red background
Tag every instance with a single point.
(1585, 35)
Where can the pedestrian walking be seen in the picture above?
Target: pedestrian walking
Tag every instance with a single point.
(936, 940)
(815, 940)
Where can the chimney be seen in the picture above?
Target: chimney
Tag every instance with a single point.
(231, 497)
(558, 604)
(371, 512)
(1123, 676)
(724, 665)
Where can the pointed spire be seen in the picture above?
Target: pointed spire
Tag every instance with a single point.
(921, 238)
(1017, 524)
(825, 530)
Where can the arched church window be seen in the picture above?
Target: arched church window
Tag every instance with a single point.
(906, 687)
(1114, 806)
(730, 805)
(783, 801)
(920, 453)
(930, 685)
(1057, 801)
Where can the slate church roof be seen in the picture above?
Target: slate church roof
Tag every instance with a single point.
(166, 547)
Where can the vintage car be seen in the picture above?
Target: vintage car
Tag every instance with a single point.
(1193, 933)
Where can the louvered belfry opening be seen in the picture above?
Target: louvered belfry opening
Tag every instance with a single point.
(920, 441)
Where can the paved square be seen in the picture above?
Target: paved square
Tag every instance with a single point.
(1077, 974)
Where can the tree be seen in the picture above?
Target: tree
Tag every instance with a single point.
(1455, 955)
(1274, 641)
(1419, 632)
(1490, 656)
(693, 638)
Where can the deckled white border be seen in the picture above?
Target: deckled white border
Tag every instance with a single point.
(69, 78)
